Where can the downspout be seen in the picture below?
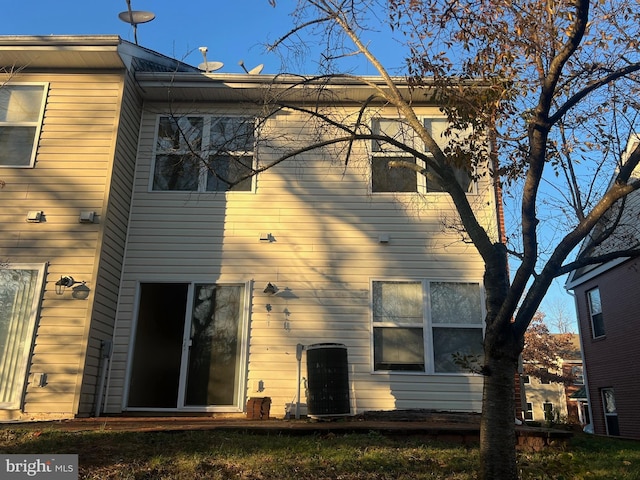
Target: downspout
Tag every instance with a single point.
(105, 359)
(299, 350)
(502, 238)
(584, 364)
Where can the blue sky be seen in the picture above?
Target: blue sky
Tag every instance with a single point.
(232, 30)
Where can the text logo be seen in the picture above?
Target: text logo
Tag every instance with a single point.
(40, 467)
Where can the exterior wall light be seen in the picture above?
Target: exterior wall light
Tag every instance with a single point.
(64, 282)
(271, 289)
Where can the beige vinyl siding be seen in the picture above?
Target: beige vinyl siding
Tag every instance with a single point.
(71, 174)
(326, 224)
(120, 179)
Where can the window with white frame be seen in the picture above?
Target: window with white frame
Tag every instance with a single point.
(610, 411)
(385, 179)
(595, 312)
(198, 153)
(426, 326)
(528, 413)
(21, 111)
(577, 373)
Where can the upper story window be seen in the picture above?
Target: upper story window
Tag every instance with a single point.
(197, 153)
(423, 326)
(577, 373)
(21, 112)
(385, 179)
(595, 312)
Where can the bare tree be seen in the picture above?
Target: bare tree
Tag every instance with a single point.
(555, 82)
(559, 317)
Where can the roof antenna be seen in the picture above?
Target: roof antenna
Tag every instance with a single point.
(254, 70)
(208, 66)
(134, 18)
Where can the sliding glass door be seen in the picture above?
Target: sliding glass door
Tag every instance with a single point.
(20, 293)
(189, 350)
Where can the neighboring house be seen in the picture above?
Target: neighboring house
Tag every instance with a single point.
(607, 301)
(212, 291)
(69, 121)
(545, 400)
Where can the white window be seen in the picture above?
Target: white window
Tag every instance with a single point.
(426, 326)
(528, 413)
(20, 291)
(577, 373)
(610, 411)
(198, 153)
(385, 179)
(21, 111)
(595, 312)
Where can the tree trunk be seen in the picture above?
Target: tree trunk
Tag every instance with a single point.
(501, 353)
(497, 427)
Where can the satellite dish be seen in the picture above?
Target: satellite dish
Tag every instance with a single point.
(206, 65)
(135, 17)
(210, 66)
(254, 70)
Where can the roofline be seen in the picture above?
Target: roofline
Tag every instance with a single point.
(572, 282)
(35, 46)
(291, 87)
(288, 78)
(60, 40)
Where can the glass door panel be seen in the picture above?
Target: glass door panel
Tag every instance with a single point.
(213, 368)
(19, 298)
(157, 353)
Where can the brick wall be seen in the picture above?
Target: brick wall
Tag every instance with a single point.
(613, 361)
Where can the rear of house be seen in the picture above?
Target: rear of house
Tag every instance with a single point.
(222, 286)
(134, 280)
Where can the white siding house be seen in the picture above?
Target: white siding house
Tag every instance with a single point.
(351, 261)
(133, 279)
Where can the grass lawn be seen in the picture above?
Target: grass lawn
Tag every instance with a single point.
(222, 455)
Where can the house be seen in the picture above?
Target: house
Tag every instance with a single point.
(607, 302)
(547, 400)
(218, 294)
(69, 121)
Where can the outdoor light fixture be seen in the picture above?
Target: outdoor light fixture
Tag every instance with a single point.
(35, 216)
(81, 292)
(64, 282)
(271, 289)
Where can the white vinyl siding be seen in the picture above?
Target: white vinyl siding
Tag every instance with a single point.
(75, 172)
(325, 228)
